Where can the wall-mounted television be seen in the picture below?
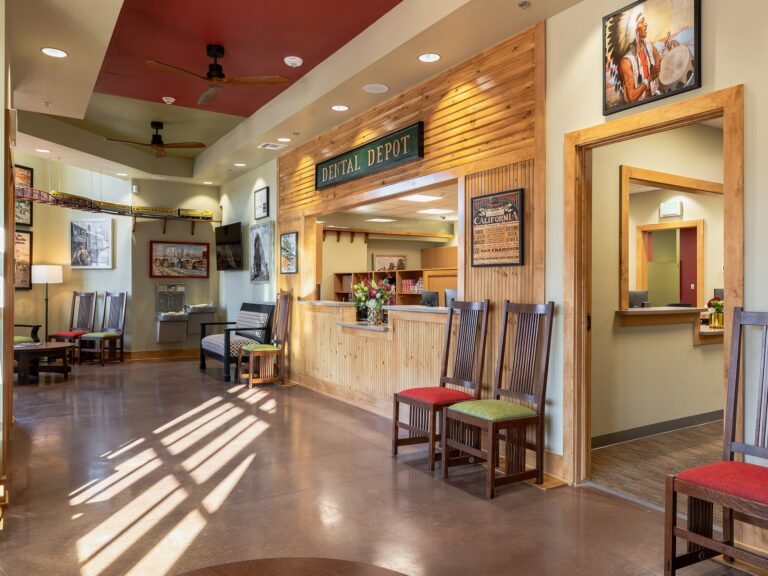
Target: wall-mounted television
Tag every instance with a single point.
(229, 247)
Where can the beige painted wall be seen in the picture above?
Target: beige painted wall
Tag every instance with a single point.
(574, 79)
(644, 209)
(237, 206)
(142, 308)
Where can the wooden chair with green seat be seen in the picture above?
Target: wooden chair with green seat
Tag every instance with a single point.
(266, 362)
(33, 334)
(112, 328)
(515, 407)
(463, 383)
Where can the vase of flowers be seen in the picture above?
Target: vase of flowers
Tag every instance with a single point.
(371, 295)
(715, 309)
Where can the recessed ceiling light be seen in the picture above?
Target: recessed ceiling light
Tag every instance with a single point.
(121, 174)
(169, 99)
(429, 57)
(53, 52)
(321, 221)
(293, 61)
(376, 88)
(207, 182)
(435, 211)
(380, 220)
(42, 151)
(339, 108)
(283, 139)
(240, 164)
(420, 198)
(524, 4)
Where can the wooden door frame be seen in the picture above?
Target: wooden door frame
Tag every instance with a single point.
(641, 253)
(578, 146)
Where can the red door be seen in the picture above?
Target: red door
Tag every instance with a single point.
(688, 288)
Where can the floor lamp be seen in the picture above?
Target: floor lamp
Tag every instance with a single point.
(47, 274)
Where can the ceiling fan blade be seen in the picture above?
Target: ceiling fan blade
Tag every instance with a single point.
(253, 81)
(127, 142)
(209, 95)
(170, 68)
(185, 145)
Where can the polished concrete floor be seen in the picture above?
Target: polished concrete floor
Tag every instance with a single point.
(157, 468)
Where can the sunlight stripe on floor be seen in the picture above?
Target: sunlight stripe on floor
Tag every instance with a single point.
(205, 405)
(219, 495)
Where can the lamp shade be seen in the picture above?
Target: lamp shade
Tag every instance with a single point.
(47, 274)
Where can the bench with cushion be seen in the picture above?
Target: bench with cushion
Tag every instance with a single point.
(253, 325)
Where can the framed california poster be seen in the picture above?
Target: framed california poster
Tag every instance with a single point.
(23, 178)
(497, 229)
(261, 246)
(651, 50)
(22, 260)
(261, 203)
(179, 259)
(90, 244)
(289, 253)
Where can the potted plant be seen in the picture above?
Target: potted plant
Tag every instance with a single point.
(371, 295)
(715, 309)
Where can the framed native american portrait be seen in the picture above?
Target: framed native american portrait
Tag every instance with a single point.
(651, 50)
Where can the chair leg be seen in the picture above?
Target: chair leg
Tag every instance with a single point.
(282, 369)
(237, 366)
(80, 352)
(493, 452)
(539, 452)
(395, 419)
(202, 359)
(251, 366)
(121, 349)
(101, 351)
(728, 531)
(444, 444)
(670, 522)
(432, 437)
(227, 367)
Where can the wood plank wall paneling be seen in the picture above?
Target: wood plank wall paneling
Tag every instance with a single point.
(499, 283)
(482, 108)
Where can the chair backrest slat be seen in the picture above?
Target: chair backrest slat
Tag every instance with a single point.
(82, 315)
(284, 304)
(113, 318)
(529, 362)
(759, 444)
(469, 353)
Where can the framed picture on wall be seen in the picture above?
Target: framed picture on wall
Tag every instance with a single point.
(289, 253)
(179, 259)
(22, 260)
(651, 50)
(90, 244)
(261, 203)
(261, 245)
(383, 262)
(23, 178)
(497, 229)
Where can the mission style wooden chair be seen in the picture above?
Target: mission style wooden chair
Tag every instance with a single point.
(514, 408)
(464, 383)
(33, 334)
(112, 328)
(253, 325)
(740, 488)
(266, 362)
(82, 319)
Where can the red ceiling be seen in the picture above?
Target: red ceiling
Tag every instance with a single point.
(256, 35)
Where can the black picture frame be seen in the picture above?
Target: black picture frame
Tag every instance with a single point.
(21, 269)
(24, 176)
(494, 217)
(261, 206)
(289, 253)
(682, 80)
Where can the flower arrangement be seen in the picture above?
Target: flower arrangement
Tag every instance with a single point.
(715, 305)
(372, 294)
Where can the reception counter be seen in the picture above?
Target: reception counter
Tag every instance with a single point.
(361, 365)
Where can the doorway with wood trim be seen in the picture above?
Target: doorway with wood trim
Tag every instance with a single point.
(579, 146)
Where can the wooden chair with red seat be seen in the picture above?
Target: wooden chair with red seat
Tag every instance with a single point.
(82, 319)
(521, 408)
(741, 488)
(465, 382)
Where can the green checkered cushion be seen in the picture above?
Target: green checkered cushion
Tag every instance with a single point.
(22, 340)
(98, 335)
(493, 410)
(261, 348)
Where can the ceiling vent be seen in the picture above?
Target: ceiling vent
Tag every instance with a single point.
(271, 146)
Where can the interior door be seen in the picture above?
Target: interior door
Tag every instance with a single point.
(688, 266)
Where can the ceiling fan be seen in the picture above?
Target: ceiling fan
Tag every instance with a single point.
(215, 76)
(158, 146)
